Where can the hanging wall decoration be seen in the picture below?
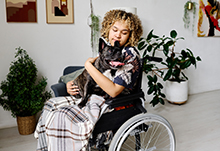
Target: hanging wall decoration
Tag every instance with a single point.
(59, 11)
(93, 22)
(21, 10)
(189, 6)
(209, 18)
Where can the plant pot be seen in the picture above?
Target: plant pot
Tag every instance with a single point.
(26, 125)
(190, 6)
(176, 93)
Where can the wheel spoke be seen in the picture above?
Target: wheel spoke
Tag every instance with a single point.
(155, 134)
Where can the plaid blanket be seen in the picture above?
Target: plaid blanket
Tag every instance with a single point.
(63, 126)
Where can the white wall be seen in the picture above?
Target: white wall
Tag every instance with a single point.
(54, 46)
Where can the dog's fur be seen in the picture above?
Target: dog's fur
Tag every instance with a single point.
(110, 58)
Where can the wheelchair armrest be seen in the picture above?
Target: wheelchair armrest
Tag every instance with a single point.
(59, 89)
(125, 100)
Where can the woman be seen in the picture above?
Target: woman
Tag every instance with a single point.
(63, 125)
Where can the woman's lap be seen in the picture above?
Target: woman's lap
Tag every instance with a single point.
(63, 122)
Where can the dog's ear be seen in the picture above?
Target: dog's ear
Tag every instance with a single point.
(116, 44)
(102, 44)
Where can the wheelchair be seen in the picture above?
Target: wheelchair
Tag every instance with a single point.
(128, 127)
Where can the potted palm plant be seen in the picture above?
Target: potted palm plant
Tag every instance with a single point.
(22, 93)
(170, 70)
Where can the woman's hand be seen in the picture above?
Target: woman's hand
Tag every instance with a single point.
(71, 88)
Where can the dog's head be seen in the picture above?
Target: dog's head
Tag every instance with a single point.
(111, 56)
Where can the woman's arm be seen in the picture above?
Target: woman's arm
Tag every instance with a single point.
(105, 83)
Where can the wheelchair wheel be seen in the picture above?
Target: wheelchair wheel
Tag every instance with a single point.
(144, 132)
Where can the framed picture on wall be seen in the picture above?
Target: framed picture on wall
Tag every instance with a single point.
(59, 11)
(21, 10)
(209, 18)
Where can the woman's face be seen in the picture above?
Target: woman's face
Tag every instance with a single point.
(119, 32)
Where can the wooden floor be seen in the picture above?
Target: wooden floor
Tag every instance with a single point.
(196, 125)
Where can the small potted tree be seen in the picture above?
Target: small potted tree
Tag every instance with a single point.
(22, 93)
(170, 70)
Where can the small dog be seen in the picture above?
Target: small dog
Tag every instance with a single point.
(110, 59)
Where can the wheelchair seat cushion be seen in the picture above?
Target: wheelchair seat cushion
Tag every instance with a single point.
(71, 76)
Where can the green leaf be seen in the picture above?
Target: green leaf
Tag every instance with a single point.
(163, 63)
(193, 60)
(184, 76)
(168, 75)
(141, 45)
(180, 38)
(150, 90)
(154, 101)
(161, 101)
(149, 48)
(140, 39)
(160, 85)
(191, 53)
(184, 54)
(176, 73)
(170, 43)
(155, 36)
(150, 35)
(155, 79)
(150, 78)
(157, 46)
(174, 62)
(198, 58)
(144, 54)
(147, 67)
(165, 49)
(150, 83)
(169, 62)
(173, 34)
(187, 64)
(162, 95)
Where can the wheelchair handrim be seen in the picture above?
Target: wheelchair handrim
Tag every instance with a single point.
(141, 119)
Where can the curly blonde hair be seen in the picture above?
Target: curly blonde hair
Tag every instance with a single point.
(132, 20)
